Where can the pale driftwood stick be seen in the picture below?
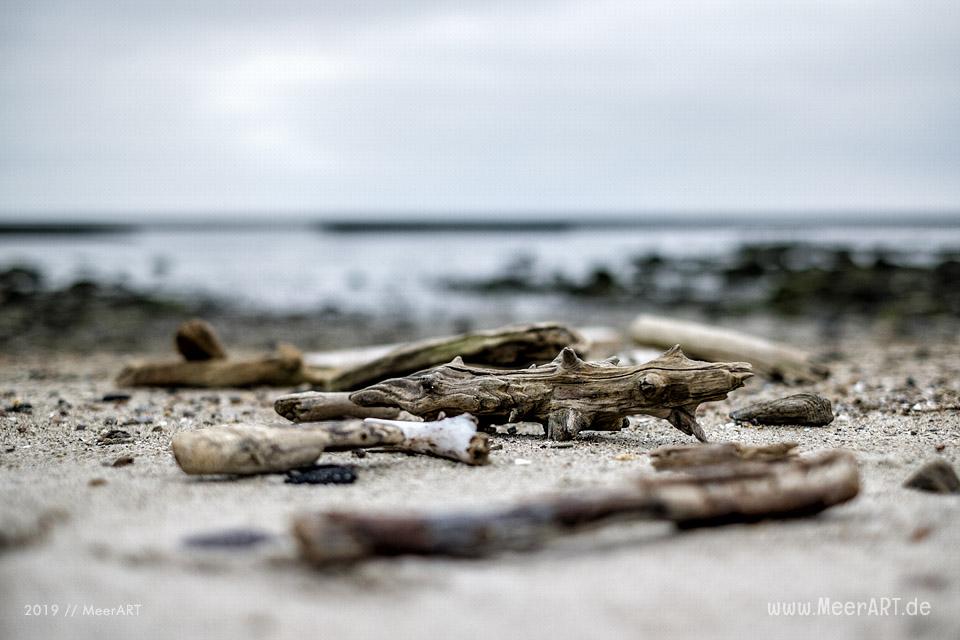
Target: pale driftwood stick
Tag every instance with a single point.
(318, 406)
(768, 358)
(805, 409)
(197, 341)
(244, 449)
(567, 395)
(284, 368)
(738, 492)
(505, 347)
(684, 456)
(452, 438)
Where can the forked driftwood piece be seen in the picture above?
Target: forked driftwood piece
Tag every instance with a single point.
(316, 406)
(506, 347)
(196, 341)
(771, 359)
(249, 449)
(283, 368)
(738, 492)
(567, 395)
(685, 456)
(804, 409)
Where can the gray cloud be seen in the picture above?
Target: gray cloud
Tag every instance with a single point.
(609, 105)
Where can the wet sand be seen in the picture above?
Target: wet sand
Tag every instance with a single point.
(79, 532)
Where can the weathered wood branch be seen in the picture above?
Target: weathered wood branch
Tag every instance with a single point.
(244, 449)
(738, 492)
(567, 395)
(771, 359)
(699, 455)
(283, 368)
(505, 347)
(318, 406)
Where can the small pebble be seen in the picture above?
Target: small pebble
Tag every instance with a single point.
(113, 436)
(115, 396)
(936, 476)
(321, 474)
(229, 539)
(97, 482)
(122, 461)
(19, 407)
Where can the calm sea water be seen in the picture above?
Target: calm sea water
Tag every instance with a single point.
(306, 268)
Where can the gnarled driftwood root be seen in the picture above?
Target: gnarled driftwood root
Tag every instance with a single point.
(567, 395)
(738, 492)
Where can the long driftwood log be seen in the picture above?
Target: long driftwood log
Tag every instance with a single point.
(738, 492)
(771, 359)
(515, 346)
(245, 449)
(567, 395)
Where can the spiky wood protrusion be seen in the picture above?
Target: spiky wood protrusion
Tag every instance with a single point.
(567, 395)
(720, 494)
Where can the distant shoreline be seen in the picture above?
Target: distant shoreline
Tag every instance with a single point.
(477, 223)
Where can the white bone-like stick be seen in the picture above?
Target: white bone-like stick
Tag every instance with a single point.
(455, 438)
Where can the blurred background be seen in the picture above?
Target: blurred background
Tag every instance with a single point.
(341, 173)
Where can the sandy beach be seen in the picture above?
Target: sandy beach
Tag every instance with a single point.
(83, 539)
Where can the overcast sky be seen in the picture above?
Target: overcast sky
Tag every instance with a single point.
(479, 106)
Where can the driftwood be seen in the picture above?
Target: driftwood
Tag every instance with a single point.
(315, 406)
(205, 363)
(506, 347)
(771, 359)
(283, 368)
(804, 409)
(738, 492)
(567, 395)
(196, 340)
(250, 449)
(686, 456)
(600, 342)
